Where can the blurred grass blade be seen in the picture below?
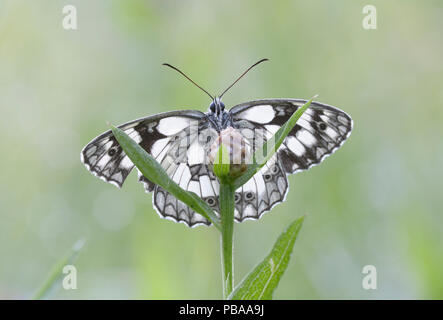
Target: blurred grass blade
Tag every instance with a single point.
(263, 154)
(261, 282)
(152, 170)
(54, 281)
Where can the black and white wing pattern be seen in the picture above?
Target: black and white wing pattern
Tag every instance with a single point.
(264, 190)
(171, 138)
(180, 141)
(104, 157)
(320, 131)
(184, 158)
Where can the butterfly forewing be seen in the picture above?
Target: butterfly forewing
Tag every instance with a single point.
(320, 131)
(104, 157)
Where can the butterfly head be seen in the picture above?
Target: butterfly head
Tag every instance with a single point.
(216, 107)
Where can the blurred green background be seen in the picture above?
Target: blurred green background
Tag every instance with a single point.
(376, 201)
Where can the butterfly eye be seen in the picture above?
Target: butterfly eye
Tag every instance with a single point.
(222, 106)
(212, 107)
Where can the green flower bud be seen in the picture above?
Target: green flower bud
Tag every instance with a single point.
(230, 153)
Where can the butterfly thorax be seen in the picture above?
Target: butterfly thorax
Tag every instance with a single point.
(217, 116)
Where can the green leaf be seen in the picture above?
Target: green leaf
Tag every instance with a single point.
(152, 170)
(53, 283)
(261, 282)
(263, 154)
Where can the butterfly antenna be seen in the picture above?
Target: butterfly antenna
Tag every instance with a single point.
(241, 76)
(184, 75)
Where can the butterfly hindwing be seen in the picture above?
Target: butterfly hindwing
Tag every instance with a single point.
(265, 189)
(196, 178)
(183, 157)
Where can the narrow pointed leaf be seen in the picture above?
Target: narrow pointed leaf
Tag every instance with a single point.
(54, 281)
(263, 154)
(152, 170)
(261, 282)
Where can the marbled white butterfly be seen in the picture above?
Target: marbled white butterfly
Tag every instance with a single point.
(320, 131)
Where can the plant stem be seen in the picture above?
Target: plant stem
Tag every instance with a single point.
(227, 205)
